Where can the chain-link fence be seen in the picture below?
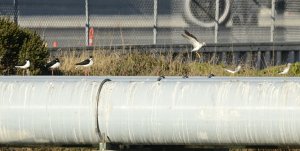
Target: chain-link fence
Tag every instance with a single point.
(130, 22)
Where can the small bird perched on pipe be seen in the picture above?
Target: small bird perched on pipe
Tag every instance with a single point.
(85, 63)
(25, 66)
(194, 41)
(54, 64)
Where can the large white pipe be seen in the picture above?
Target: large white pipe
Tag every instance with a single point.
(43, 112)
(142, 110)
(141, 78)
(207, 112)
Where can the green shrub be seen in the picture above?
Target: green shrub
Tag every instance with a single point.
(18, 44)
(295, 69)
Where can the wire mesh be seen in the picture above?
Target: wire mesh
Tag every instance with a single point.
(130, 22)
(118, 22)
(6, 8)
(287, 20)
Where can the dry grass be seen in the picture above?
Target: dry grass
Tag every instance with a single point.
(48, 148)
(154, 64)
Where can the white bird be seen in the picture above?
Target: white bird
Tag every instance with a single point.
(25, 66)
(193, 40)
(286, 69)
(237, 69)
(86, 63)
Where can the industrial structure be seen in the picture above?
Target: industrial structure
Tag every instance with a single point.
(140, 22)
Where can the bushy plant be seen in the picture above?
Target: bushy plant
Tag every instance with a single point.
(295, 69)
(17, 45)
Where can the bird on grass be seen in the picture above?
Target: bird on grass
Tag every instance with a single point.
(25, 66)
(286, 69)
(197, 45)
(86, 63)
(52, 65)
(237, 69)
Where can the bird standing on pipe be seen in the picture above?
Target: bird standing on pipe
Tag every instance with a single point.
(25, 66)
(54, 64)
(85, 64)
(194, 41)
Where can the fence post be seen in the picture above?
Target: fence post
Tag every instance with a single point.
(217, 20)
(278, 53)
(258, 60)
(87, 22)
(16, 11)
(272, 21)
(155, 21)
(278, 57)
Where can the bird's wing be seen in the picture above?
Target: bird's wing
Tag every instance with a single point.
(21, 66)
(191, 38)
(230, 71)
(18, 66)
(285, 70)
(191, 35)
(50, 64)
(84, 62)
(55, 65)
(238, 68)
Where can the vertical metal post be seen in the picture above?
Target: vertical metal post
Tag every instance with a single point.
(217, 21)
(224, 57)
(155, 21)
(272, 21)
(267, 57)
(16, 11)
(235, 58)
(87, 22)
(291, 57)
(278, 58)
(102, 144)
(249, 57)
(258, 60)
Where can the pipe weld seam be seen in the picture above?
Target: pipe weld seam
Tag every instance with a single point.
(97, 100)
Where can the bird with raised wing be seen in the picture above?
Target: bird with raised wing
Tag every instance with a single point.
(86, 63)
(194, 41)
(52, 65)
(237, 69)
(25, 66)
(286, 69)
